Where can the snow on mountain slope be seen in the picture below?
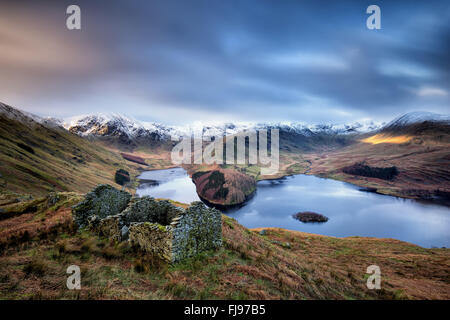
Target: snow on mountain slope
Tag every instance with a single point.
(18, 115)
(418, 117)
(28, 118)
(110, 125)
(115, 124)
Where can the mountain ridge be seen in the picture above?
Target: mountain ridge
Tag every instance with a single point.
(116, 124)
(37, 156)
(418, 117)
(93, 124)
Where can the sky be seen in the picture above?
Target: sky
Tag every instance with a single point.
(182, 61)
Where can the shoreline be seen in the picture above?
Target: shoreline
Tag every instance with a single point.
(426, 197)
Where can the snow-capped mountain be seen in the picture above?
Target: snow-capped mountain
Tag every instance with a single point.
(19, 115)
(418, 123)
(119, 125)
(418, 117)
(28, 118)
(116, 125)
(130, 130)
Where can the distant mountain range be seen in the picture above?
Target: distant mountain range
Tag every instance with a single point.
(128, 131)
(120, 125)
(38, 154)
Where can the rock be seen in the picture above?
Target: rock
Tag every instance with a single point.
(103, 201)
(122, 177)
(196, 230)
(157, 227)
(263, 232)
(52, 199)
(187, 233)
(93, 222)
(124, 233)
(282, 244)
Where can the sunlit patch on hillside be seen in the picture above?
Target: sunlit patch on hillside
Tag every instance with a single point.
(380, 138)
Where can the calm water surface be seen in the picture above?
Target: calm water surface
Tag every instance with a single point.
(351, 212)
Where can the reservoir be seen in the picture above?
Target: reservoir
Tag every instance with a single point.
(351, 212)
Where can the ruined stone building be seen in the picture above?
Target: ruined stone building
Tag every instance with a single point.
(158, 227)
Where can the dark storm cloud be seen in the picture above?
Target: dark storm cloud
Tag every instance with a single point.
(250, 60)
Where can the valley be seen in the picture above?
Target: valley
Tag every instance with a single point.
(47, 166)
(43, 155)
(423, 166)
(351, 210)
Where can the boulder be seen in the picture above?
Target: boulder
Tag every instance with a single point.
(124, 232)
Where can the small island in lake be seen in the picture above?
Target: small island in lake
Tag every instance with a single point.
(308, 216)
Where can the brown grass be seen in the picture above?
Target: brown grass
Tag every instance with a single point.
(423, 166)
(279, 265)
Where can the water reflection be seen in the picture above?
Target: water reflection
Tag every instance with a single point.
(172, 184)
(351, 212)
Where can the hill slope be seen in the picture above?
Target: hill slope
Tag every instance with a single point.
(38, 156)
(276, 264)
(417, 144)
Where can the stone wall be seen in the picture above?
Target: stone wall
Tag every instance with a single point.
(197, 229)
(103, 201)
(153, 238)
(109, 227)
(158, 227)
(148, 209)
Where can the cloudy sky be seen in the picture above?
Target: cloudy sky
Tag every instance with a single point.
(180, 61)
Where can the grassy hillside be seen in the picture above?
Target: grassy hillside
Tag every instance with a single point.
(36, 159)
(276, 264)
(420, 154)
(423, 165)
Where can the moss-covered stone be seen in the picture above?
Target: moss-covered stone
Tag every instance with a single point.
(148, 209)
(191, 231)
(122, 177)
(158, 227)
(198, 229)
(152, 238)
(110, 227)
(103, 201)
